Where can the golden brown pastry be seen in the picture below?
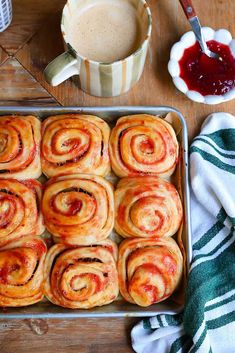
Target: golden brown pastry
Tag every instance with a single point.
(78, 209)
(81, 277)
(20, 213)
(149, 270)
(143, 144)
(147, 207)
(21, 272)
(20, 138)
(74, 143)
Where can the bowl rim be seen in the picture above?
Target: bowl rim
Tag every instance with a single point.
(188, 39)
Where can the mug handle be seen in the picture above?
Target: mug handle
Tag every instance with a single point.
(61, 68)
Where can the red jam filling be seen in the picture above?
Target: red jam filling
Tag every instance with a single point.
(208, 76)
(147, 146)
(75, 207)
(152, 292)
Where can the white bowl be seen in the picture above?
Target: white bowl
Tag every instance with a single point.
(177, 51)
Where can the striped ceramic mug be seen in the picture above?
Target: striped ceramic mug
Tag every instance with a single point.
(96, 78)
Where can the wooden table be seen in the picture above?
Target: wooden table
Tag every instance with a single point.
(32, 40)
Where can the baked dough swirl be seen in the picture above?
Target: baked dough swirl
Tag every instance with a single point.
(21, 272)
(20, 138)
(143, 144)
(74, 143)
(20, 213)
(149, 270)
(78, 209)
(81, 277)
(147, 207)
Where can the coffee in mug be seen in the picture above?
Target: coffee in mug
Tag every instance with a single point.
(108, 31)
(106, 42)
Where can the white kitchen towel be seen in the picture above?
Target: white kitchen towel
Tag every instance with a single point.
(208, 322)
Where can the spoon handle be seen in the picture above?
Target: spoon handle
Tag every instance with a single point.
(188, 8)
(190, 13)
(195, 23)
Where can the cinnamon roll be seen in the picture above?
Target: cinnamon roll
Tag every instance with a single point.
(81, 277)
(147, 207)
(20, 147)
(143, 144)
(149, 270)
(20, 213)
(74, 143)
(21, 272)
(78, 209)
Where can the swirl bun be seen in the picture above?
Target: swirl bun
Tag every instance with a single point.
(75, 143)
(81, 277)
(20, 213)
(20, 147)
(21, 272)
(78, 209)
(143, 144)
(147, 207)
(149, 270)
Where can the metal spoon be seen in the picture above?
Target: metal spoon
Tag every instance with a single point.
(197, 29)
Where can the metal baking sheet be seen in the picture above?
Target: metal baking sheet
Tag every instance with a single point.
(119, 308)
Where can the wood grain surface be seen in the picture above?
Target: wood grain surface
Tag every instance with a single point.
(3, 56)
(66, 336)
(32, 40)
(28, 17)
(18, 87)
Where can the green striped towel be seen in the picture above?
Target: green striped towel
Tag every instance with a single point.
(208, 322)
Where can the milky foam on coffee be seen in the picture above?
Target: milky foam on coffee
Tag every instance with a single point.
(105, 30)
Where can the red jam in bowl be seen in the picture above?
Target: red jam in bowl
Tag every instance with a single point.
(208, 76)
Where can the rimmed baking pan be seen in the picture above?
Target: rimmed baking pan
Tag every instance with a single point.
(119, 308)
